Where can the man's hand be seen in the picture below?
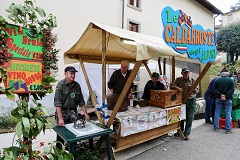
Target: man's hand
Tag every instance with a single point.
(87, 117)
(60, 122)
(223, 97)
(130, 95)
(180, 89)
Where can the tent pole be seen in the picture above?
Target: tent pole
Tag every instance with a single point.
(147, 68)
(159, 66)
(205, 69)
(93, 97)
(164, 66)
(103, 65)
(124, 92)
(173, 69)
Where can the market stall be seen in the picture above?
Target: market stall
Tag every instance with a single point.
(105, 44)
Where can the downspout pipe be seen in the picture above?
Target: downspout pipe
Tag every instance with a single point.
(122, 14)
(214, 27)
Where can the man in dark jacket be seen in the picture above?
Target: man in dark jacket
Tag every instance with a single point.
(116, 85)
(223, 88)
(210, 99)
(152, 84)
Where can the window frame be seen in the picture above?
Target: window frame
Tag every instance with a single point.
(134, 22)
(139, 8)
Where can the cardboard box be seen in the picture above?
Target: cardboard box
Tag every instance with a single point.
(165, 98)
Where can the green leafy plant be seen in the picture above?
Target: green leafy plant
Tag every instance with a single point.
(84, 153)
(31, 121)
(28, 14)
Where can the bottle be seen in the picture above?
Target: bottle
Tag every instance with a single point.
(105, 111)
(131, 102)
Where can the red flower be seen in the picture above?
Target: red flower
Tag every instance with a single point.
(25, 142)
(24, 150)
(41, 144)
(19, 158)
(38, 152)
(45, 156)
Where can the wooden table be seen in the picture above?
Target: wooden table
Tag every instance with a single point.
(72, 139)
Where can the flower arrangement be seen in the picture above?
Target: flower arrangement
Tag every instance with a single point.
(5, 57)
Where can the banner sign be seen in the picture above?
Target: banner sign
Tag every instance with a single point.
(180, 34)
(25, 68)
(25, 76)
(24, 43)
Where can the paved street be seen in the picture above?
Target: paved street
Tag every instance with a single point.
(204, 144)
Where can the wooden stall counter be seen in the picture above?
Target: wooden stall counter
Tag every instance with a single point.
(138, 125)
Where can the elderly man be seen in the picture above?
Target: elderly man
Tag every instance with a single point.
(223, 88)
(116, 85)
(68, 97)
(183, 84)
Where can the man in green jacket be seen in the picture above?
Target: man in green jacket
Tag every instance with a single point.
(68, 96)
(223, 89)
(183, 84)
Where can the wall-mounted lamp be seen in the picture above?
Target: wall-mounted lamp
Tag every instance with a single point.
(128, 41)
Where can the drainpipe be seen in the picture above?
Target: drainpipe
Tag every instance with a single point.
(214, 27)
(122, 14)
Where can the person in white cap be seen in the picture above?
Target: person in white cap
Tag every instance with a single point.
(223, 88)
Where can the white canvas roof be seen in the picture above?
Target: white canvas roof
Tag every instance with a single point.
(89, 47)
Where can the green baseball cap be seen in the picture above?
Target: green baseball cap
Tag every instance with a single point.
(155, 74)
(185, 70)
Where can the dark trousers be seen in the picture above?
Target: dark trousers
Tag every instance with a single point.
(190, 111)
(69, 116)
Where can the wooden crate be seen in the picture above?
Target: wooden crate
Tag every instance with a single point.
(165, 98)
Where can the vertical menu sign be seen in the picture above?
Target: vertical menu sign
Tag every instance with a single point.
(25, 69)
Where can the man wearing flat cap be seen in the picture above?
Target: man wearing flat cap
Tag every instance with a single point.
(152, 84)
(68, 96)
(223, 88)
(183, 84)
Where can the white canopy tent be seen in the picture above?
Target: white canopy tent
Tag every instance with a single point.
(145, 47)
(114, 50)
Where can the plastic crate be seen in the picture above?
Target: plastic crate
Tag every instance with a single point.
(235, 114)
(222, 123)
(238, 100)
(235, 100)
